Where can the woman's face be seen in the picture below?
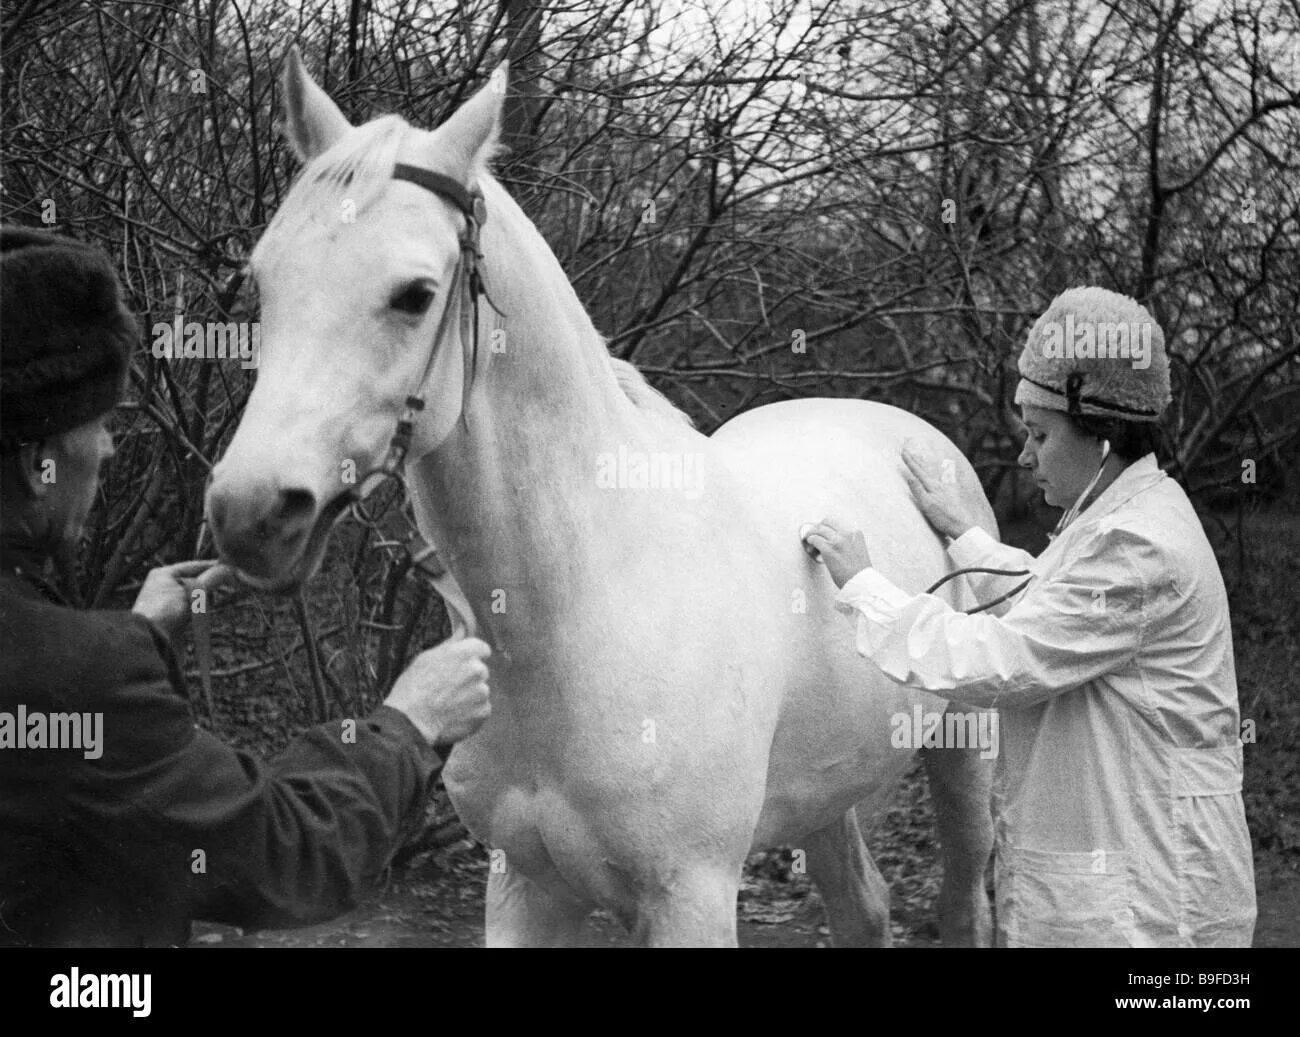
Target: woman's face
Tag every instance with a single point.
(73, 479)
(1062, 460)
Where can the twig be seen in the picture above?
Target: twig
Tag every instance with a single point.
(313, 654)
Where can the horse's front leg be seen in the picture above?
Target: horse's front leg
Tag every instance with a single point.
(520, 913)
(696, 908)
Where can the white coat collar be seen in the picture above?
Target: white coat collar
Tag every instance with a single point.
(1138, 477)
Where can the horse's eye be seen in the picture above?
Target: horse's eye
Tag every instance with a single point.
(413, 299)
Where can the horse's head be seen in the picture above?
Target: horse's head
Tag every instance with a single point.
(355, 273)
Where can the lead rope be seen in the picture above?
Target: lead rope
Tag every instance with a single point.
(201, 630)
(423, 555)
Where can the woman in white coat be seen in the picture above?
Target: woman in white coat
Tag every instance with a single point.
(1118, 806)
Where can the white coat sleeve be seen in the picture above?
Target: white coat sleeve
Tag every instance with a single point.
(976, 548)
(1082, 621)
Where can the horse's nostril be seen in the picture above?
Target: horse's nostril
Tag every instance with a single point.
(296, 505)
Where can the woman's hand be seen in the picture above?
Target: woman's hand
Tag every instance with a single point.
(933, 483)
(843, 549)
(166, 600)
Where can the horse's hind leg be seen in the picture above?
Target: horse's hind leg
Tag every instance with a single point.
(854, 892)
(960, 786)
(520, 913)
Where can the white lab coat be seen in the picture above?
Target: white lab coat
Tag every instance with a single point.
(1117, 795)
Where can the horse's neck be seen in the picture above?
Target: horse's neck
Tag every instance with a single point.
(511, 498)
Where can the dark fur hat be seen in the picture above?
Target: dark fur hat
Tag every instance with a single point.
(65, 335)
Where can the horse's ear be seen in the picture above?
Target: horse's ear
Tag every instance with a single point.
(312, 121)
(471, 134)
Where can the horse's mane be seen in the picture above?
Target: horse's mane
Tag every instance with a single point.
(645, 395)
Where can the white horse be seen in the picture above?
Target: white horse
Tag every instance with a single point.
(671, 686)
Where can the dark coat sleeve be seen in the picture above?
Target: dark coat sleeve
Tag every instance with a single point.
(172, 823)
(263, 844)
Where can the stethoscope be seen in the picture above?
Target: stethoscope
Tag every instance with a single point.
(1081, 502)
(1084, 499)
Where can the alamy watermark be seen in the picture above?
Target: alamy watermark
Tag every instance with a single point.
(675, 471)
(210, 340)
(950, 730)
(1097, 340)
(74, 989)
(39, 730)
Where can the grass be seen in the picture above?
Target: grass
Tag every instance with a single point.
(1262, 573)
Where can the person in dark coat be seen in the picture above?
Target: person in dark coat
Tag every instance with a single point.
(121, 821)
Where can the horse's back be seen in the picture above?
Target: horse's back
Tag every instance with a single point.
(815, 458)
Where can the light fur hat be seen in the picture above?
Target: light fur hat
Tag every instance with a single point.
(1096, 352)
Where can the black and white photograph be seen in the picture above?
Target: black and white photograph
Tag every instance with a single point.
(784, 474)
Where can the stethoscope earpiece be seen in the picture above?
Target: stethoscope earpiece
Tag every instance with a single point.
(1082, 500)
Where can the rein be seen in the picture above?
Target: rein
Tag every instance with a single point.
(422, 556)
(467, 278)
(468, 281)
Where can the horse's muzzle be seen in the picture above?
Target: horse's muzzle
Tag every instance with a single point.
(274, 536)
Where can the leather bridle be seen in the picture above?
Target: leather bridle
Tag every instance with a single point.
(466, 289)
(421, 555)
(467, 280)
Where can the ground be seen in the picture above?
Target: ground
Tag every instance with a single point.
(439, 901)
